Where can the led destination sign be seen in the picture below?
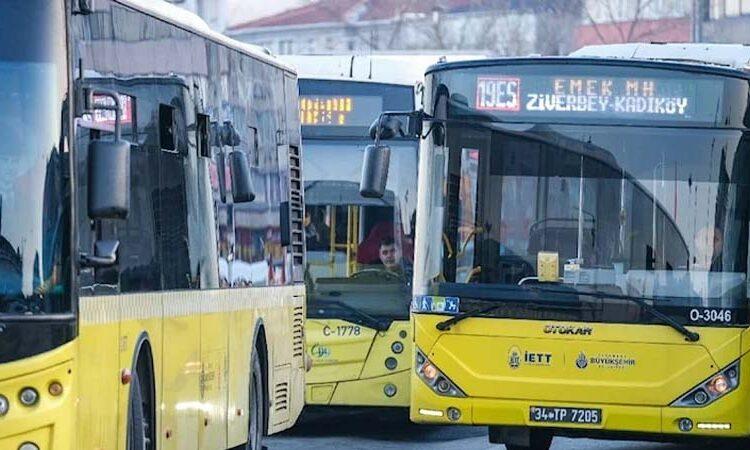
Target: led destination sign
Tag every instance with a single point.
(339, 110)
(608, 97)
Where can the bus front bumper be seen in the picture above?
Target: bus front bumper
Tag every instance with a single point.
(728, 417)
(47, 423)
(388, 390)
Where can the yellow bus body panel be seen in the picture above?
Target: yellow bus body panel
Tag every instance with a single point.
(632, 372)
(50, 422)
(349, 363)
(201, 343)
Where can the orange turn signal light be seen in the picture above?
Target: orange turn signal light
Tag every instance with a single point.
(55, 389)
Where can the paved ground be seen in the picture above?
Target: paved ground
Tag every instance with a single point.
(388, 430)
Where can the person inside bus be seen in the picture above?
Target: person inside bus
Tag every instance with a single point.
(392, 258)
(709, 243)
(317, 233)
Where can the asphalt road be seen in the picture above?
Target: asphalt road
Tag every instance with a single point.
(385, 429)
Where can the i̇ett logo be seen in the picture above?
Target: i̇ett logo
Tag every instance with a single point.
(514, 358)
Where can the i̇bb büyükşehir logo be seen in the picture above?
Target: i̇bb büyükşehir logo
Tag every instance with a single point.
(514, 358)
(582, 362)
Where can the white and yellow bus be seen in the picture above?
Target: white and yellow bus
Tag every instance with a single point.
(357, 330)
(582, 245)
(151, 241)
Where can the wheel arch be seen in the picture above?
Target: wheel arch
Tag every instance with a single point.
(260, 345)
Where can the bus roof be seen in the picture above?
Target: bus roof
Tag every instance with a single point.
(191, 22)
(391, 68)
(732, 56)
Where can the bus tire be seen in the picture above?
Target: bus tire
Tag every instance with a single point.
(138, 426)
(257, 419)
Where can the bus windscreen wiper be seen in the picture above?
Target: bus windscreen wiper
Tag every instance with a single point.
(690, 336)
(447, 324)
(364, 318)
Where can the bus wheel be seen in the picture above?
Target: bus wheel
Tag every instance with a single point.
(139, 428)
(257, 417)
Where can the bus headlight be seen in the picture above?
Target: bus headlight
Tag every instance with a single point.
(434, 378)
(28, 396)
(722, 383)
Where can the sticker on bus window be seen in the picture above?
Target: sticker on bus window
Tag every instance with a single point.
(105, 119)
(429, 303)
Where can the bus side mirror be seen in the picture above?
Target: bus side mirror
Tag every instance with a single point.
(109, 179)
(108, 166)
(375, 165)
(242, 181)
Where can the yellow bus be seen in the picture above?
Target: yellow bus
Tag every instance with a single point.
(151, 241)
(357, 330)
(582, 245)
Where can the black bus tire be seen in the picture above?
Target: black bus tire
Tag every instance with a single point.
(257, 418)
(136, 418)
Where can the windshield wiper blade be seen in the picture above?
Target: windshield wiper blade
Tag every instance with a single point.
(447, 324)
(365, 319)
(690, 336)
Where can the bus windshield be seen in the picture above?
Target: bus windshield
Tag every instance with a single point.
(359, 251)
(33, 211)
(613, 212)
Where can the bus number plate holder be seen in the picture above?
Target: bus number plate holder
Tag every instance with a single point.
(581, 416)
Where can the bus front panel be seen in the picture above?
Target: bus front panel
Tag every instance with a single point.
(359, 251)
(581, 260)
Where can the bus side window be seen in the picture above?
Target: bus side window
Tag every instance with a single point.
(100, 125)
(172, 227)
(139, 264)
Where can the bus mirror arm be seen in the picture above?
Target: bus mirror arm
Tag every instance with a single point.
(377, 157)
(105, 255)
(390, 125)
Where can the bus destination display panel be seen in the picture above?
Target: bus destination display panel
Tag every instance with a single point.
(339, 110)
(586, 97)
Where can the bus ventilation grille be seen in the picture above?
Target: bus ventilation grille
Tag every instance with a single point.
(296, 205)
(281, 397)
(298, 322)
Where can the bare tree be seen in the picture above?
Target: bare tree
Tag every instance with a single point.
(620, 21)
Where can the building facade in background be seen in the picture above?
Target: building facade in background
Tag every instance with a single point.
(725, 21)
(501, 27)
(504, 27)
(620, 21)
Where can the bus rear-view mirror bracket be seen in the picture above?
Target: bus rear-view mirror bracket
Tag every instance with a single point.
(376, 160)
